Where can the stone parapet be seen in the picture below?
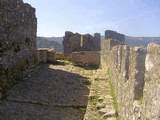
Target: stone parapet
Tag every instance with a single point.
(134, 73)
(46, 55)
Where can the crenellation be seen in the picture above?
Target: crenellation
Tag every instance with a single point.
(135, 79)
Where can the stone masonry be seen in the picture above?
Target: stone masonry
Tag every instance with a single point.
(113, 38)
(134, 73)
(77, 42)
(18, 26)
(86, 58)
(109, 34)
(46, 55)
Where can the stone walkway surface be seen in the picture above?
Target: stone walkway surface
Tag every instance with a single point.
(52, 92)
(100, 102)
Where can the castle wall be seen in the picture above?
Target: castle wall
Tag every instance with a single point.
(109, 34)
(46, 55)
(134, 73)
(151, 101)
(97, 43)
(71, 42)
(86, 58)
(77, 42)
(113, 38)
(18, 25)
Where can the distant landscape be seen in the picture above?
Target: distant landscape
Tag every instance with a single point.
(56, 42)
(141, 41)
(50, 42)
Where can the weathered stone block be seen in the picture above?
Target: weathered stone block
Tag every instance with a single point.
(86, 58)
(46, 55)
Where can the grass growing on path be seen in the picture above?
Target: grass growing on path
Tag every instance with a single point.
(113, 94)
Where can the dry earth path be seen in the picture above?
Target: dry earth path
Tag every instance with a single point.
(58, 92)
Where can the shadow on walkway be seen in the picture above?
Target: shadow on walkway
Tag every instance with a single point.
(48, 94)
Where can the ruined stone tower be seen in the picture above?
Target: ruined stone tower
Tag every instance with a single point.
(97, 37)
(77, 42)
(113, 38)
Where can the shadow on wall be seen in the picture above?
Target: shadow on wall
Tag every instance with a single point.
(59, 94)
(88, 67)
(140, 73)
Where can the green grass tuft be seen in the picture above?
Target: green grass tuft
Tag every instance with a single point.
(113, 94)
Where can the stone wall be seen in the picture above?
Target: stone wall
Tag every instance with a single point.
(97, 43)
(134, 73)
(113, 38)
(77, 42)
(109, 34)
(59, 56)
(86, 58)
(18, 25)
(151, 92)
(46, 55)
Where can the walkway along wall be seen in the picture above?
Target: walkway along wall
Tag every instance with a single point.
(135, 75)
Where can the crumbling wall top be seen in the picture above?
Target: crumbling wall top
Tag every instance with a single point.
(109, 34)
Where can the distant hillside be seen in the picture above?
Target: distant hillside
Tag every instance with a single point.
(50, 42)
(56, 42)
(141, 41)
(56, 39)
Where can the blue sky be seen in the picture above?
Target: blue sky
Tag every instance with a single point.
(131, 17)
